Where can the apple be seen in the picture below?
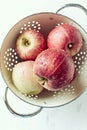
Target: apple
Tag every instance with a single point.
(54, 69)
(23, 78)
(29, 44)
(65, 37)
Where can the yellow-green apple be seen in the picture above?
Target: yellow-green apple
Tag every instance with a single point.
(29, 44)
(23, 78)
(65, 37)
(54, 69)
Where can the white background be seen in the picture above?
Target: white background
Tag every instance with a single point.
(69, 117)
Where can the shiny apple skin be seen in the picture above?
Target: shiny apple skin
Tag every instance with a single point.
(54, 69)
(66, 37)
(29, 44)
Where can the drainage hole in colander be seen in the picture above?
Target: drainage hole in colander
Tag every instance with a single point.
(69, 90)
(33, 25)
(10, 59)
(79, 61)
(32, 97)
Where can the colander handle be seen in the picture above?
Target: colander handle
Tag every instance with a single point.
(16, 113)
(72, 5)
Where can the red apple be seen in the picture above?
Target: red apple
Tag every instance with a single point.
(54, 69)
(29, 44)
(24, 80)
(65, 37)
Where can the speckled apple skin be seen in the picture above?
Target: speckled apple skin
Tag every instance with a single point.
(54, 69)
(63, 36)
(29, 44)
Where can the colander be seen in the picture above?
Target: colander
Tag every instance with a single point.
(44, 23)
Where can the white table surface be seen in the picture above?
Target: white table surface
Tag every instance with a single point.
(72, 116)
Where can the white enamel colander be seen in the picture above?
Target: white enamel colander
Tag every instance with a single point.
(44, 22)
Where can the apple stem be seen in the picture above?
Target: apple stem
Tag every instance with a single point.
(43, 82)
(26, 42)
